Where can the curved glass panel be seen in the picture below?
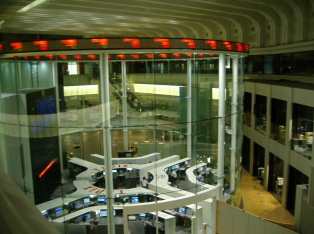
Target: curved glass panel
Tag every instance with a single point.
(134, 139)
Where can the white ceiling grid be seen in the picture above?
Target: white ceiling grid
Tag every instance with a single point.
(261, 23)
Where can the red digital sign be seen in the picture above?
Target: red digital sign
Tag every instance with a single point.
(135, 56)
(212, 44)
(49, 56)
(17, 45)
(37, 57)
(135, 42)
(152, 44)
(62, 56)
(46, 169)
(103, 42)
(189, 42)
(120, 56)
(92, 56)
(227, 45)
(149, 55)
(177, 55)
(163, 41)
(43, 45)
(77, 57)
(69, 42)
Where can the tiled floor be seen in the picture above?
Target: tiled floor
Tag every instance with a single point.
(259, 202)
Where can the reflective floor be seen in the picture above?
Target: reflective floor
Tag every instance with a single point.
(259, 202)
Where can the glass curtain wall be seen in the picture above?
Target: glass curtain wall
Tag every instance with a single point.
(73, 115)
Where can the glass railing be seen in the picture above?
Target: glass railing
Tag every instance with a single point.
(302, 145)
(278, 133)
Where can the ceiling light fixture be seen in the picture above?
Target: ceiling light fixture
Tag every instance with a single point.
(31, 5)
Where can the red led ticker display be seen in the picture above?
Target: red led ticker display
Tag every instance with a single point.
(149, 55)
(135, 42)
(189, 42)
(92, 56)
(69, 42)
(135, 56)
(162, 55)
(177, 55)
(101, 42)
(124, 43)
(77, 57)
(49, 56)
(163, 41)
(62, 56)
(43, 45)
(37, 57)
(120, 56)
(17, 45)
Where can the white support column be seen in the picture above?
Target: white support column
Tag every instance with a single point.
(221, 124)
(124, 106)
(189, 108)
(105, 100)
(311, 187)
(234, 119)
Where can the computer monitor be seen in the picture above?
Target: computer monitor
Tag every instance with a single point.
(101, 199)
(200, 169)
(142, 215)
(79, 219)
(45, 214)
(186, 162)
(87, 216)
(166, 170)
(182, 210)
(59, 211)
(103, 213)
(170, 168)
(103, 173)
(121, 171)
(77, 203)
(134, 199)
(151, 216)
(86, 200)
(189, 211)
(114, 170)
(176, 166)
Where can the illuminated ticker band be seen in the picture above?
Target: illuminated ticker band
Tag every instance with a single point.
(121, 44)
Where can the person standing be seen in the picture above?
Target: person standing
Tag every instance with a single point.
(144, 182)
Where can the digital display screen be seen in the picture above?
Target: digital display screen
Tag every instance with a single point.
(121, 171)
(59, 211)
(186, 162)
(114, 170)
(101, 199)
(176, 166)
(77, 203)
(166, 170)
(181, 210)
(45, 214)
(79, 219)
(134, 199)
(151, 217)
(103, 213)
(142, 214)
(87, 216)
(86, 200)
(189, 211)
(200, 169)
(103, 173)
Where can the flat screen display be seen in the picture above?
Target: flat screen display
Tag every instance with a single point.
(103, 213)
(142, 214)
(101, 199)
(103, 173)
(176, 166)
(151, 216)
(79, 219)
(189, 211)
(181, 210)
(86, 200)
(77, 203)
(114, 170)
(87, 216)
(134, 199)
(59, 211)
(186, 162)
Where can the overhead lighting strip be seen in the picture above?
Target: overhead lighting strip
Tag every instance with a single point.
(31, 5)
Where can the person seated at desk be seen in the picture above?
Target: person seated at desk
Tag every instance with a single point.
(173, 177)
(144, 182)
(200, 177)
